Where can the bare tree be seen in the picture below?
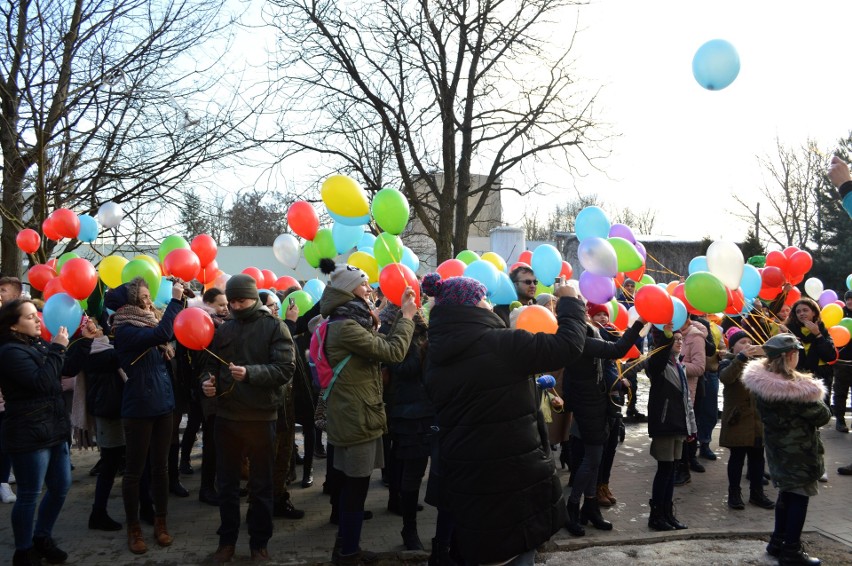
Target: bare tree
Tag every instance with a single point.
(445, 89)
(564, 216)
(121, 101)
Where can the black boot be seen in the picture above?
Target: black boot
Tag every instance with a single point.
(411, 539)
(99, 520)
(174, 473)
(668, 514)
(757, 497)
(47, 549)
(408, 501)
(591, 512)
(657, 520)
(735, 498)
(682, 475)
(705, 451)
(774, 546)
(283, 507)
(27, 557)
(694, 464)
(564, 454)
(573, 523)
(793, 554)
(440, 554)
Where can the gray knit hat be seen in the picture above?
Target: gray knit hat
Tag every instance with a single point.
(241, 286)
(343, 276)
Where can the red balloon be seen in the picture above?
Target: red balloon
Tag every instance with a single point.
(736, 301)
(621, 318)
(451, 268)
(40, 275)
(51, 263)
(255, 274)
(654, 304)
(53, 287)
(526, 257)
(269, 278)
(632, 353)
(799, 263)
(680, 293)
(515, 265)
(769, 293)
(795, 280)
(393, 280)
(303, 220)
(194, 328)
(45, 333)
(567, 270)
(793, 295)
(790, 251)
(182, 263)
(78, 277)
(49, 230)
(205, 248)
(776, 259)
(773, 276)
(208, 273)
(66, 223)
(28, 240)
(286, 282)
(636, 274)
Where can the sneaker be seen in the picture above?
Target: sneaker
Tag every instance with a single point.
(840, 425)
(12, 480)
(823, 478)
(845, 470)
(6, 493)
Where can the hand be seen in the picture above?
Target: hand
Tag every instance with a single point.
(292, 313)
(565, 290)
(753, 351)
(61, 337)
(208, 387)
(838, 172)
(556, 403)
(409, 307)
(812, 327)
(237, 372)
(177, 290)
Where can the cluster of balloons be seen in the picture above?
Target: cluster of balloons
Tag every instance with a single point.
(64, 223)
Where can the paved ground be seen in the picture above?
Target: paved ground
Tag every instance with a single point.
(701, 505)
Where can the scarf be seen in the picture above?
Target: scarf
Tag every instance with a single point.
(141, 318)
(357, 310)
(247, 313)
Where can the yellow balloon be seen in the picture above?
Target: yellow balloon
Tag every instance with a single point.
(344, 196)
(109, 270)
(152, 261)
(495, 260)
(831, 315)
(366, 263)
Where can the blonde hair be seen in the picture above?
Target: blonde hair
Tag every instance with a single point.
(781, 366)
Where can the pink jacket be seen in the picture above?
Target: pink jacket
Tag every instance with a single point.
(692, 354)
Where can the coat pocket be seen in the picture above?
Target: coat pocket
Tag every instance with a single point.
(374, 415)
(734, 417)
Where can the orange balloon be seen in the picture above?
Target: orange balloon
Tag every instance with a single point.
(525, 257)
(537, 319)
(840, 335)
(671, 286)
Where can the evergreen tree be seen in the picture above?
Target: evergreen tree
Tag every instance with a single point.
(833, 258)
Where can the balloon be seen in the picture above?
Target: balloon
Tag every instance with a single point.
(484, 272)
(393, 280)
(390, 209)
(28, 240)
(79, 278)
(525, 257)
(705, 292)
(542, 288)
(505, 292)
(141, 268)
(311, 255)
(346, 237)
(597, 256)
(644, 280)
(716, 64)
(52, 287)
(304, 302)
(547, 263)
(831, 315)
(324, 244)
(776, 259)
(62, 310)
(680, 313)
(671, 287)
(535, 319)
(736, 302)
(88, 228)
(286, 250)
(170, 243)
(205, 248)
(769, 293)
(254, 273)
(632, 315)
(840, 335)
(349, 220)
(826, 297)
(194, 328)
(620, 318)
(679, 292)
(303, 220)
(208, 273)
(182, 263)
(567, 271)
(269, 278)
(152, 262)
(628, 258)
(45, 333)
(451, 268)
(622, 231)
(698, 263)
(344, 196)
(591, 222)
(751, 281)
(636, 274)
(410, 259)
(110, 214)
(814, 288)
(314, 288)
(39, 275)
(164, 294)
(109, 270)
(793, 295)
(495, 259)
(772, 276)
(366, 263)
(654, 304)
(518, 264)
(846, 323)
(286, 282)
(799, 263)
(387, 250)
(367, 241)
(849, 282)
(467, 256)
(725, 261)
(220, 281)
(595, 288)
(63, 258)
(641, 249)
(65, 222)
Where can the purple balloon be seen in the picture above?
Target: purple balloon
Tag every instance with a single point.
(622, 231)
(827, 297)
(641, 249)
(595, 288)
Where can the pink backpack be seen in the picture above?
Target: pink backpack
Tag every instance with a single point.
(326, 375)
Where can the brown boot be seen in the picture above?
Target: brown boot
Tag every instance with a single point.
(609, 494)
(603, 500)
(135, 542)
(161, 532)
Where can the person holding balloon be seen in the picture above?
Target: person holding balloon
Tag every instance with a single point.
(693, 356)
(805, 324)
(10, 289)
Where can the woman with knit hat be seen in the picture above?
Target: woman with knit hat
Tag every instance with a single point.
(498, 482)
(356, 413)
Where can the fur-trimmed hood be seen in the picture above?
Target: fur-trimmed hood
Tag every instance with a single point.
(774, 387)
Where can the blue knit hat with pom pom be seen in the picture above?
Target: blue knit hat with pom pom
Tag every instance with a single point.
(454, 291)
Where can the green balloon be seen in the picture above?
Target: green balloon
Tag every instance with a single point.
(387, 249)
(324, 244)
(304, 302)
(311, 255)
(63, 258)
(645, 280)
(705, 292)
(390, 210)
(467, 256)
(626, 254)
(171, 243)
(143, 269)
(542, 288)
(846, 323)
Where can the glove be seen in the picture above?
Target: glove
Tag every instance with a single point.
(546, 382)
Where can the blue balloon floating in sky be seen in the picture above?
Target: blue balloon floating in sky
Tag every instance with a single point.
(716, 64)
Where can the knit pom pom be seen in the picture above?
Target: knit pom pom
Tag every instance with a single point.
(431, 284)
(327, 265)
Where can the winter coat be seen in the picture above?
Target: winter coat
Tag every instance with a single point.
(498, 476)
(356, 411)
(261, 343)
(694, 355)
(148, 391)
(104, 384)
(792, 411)
(741, 424)
(304, 402)
(818, 351)
(670, 410)
(586, 391)
(35, 411)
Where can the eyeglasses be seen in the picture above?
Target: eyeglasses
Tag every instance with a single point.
(528, 281)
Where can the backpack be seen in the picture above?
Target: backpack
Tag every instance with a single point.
(326, 375)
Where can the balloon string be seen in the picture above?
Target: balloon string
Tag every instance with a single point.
(217, 357)
(667, 270)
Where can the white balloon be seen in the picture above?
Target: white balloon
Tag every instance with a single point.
(632, 316)
(598, 257)
(814, 288)
(287, 250)
(725, 261)
(110, 214)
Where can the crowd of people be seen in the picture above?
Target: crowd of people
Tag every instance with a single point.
(451, 385)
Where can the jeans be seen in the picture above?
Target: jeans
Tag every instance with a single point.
(49, 467)
(586, 477)
(707, 408)
(5, 462)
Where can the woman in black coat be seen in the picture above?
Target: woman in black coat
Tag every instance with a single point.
(805, 324)
(498, 479)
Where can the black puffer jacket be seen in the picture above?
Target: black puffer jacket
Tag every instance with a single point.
(31, 381)
(670, 411)
(498, 476)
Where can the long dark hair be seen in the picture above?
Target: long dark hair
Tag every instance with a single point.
(793, 323)
(10, 313)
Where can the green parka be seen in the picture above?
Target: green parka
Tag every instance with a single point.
(741, 424)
